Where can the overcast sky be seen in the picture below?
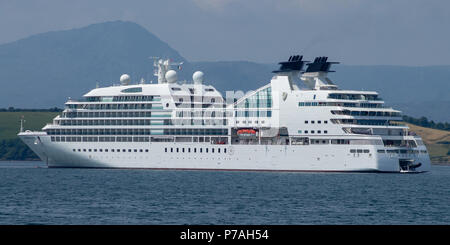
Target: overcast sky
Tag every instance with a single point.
(366, 32)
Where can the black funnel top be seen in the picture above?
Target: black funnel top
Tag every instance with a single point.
(294, 63)
(320, 64)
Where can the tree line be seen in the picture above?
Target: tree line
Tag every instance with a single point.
(12, 109)
(15, 149)
(424, 122)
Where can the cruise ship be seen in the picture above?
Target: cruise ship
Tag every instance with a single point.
(299, 121)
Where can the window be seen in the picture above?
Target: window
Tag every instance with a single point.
(195, 150)
(380, 151)
(306, 122)
(165, 149)
(352, 151)
(212, 150)
(224, 150)
(129, 150)
(325, 122)
(359, 150)
(306, 131)
(79, 150)
(318, 131)
(90, 150)
(325, 132)
(140, 150)
(178, 150)
(366, 151)
(312, 122)
(319, 122)
(392, 151)
(131, 90)
(206, 150)
(146, 150)
(171, 149)
(73, 150)
(312, 131)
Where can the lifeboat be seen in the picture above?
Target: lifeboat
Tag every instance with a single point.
(246, 133)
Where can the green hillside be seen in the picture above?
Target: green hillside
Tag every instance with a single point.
(11, 147)
(437, 142)
(10, 122)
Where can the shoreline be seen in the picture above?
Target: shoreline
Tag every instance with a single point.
(3, 161)
(11, 161)
(441, 164)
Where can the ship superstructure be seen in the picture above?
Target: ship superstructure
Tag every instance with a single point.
(300, 121)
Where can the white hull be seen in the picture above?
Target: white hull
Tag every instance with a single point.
(336, 158)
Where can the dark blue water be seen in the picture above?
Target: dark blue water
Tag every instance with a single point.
(33, 194)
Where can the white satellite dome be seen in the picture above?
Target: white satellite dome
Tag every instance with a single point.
(125, 79)
(171, 76)
(198, 77)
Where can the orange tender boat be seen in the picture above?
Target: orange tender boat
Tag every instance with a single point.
(246, 132)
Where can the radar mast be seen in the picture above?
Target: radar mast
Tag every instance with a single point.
(162, 66)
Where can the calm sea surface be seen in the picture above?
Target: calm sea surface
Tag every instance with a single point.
(30, 193)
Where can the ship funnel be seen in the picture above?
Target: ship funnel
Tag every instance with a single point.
(320, 64)
(294, 64)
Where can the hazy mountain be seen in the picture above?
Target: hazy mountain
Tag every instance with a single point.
(43, 70)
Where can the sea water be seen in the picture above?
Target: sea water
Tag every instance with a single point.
(30, 193)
